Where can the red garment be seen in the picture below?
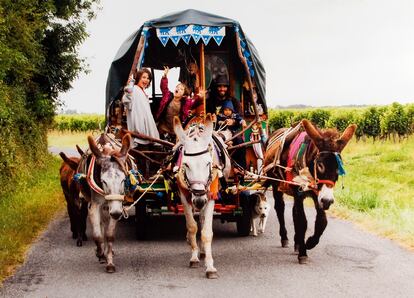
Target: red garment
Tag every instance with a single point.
(167, 96)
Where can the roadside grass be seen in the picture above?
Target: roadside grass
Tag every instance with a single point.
(68, 139)
(378, 189)
(26, 212)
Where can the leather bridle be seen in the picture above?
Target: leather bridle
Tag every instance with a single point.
(315, 172)
(189, 183)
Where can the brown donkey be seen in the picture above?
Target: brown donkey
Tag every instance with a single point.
(310, 162)
(76, 205)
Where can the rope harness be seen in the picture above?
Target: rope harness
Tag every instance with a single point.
(184, 182)
(126, 209)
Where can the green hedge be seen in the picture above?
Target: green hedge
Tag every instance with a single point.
(23, 142)
(79, 122)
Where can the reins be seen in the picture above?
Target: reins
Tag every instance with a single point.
(126, 209)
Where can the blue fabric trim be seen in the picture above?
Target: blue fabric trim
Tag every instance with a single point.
(341, 169)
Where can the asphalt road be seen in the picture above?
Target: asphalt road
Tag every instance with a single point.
(348, 262)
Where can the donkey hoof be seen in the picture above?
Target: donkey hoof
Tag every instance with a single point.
(311, 242)
(285, 243)
(202, 255)
(110, 268)
(303, 260)
(211, 275)
(79, 242)
(194, 264)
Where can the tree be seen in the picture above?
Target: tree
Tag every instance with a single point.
(39, 42)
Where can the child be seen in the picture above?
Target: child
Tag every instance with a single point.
(228, 123)
(228, 119)
(171, 105)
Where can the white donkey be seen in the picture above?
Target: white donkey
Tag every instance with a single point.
(106, 173)
(199, 167)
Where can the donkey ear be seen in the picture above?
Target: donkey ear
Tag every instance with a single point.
(80, 151)
(346, 136)
(178, 129)
(72, 164)
(94, 148)
(311, 130)
(126, 144)
(209, 127)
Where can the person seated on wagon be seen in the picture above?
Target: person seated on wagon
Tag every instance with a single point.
(171, 105)
(136, 102)
(229, 121)
(219, 95)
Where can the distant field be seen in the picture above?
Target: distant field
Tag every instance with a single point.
(68, 139)
(79, 122)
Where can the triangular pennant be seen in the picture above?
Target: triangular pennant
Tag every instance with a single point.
(175, 39)
(206, 38)
(164, 40)
(246, 54)
(243, 44)
(186, 38)
(218, 39)
(196, 37)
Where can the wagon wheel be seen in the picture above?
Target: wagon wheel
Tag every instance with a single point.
(244, 221)
(141, 220)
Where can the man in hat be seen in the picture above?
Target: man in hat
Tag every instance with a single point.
(219, 94)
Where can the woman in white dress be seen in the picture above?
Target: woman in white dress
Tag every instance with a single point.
(138, 111)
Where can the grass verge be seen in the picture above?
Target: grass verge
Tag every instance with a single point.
(26, 212)
(379, 193)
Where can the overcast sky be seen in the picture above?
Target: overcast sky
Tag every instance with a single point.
(315, 52)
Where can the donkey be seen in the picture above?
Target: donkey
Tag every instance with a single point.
(318, 162)
(76, 205)
(197, 181)
(106, 173)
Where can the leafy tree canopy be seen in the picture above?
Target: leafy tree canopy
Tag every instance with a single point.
(39, 42)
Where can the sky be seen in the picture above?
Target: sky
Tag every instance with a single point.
(315, 52)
